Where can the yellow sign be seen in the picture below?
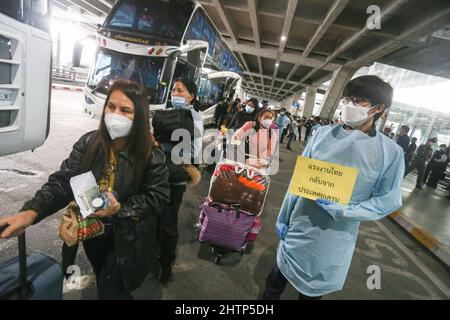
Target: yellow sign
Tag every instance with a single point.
(314, 179)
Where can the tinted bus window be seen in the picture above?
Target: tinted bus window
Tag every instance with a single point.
(219, 56)
(39, 14)
(165, 20)
(35, 13)
(111, 65)
(12, 8)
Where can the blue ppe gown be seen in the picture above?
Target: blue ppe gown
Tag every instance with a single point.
(317, 249)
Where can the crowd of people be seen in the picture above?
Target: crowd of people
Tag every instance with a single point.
(431, 165)
(317, 238)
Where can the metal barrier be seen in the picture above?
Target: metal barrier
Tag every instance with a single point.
(68, 75)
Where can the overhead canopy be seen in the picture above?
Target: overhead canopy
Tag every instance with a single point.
(285, 45)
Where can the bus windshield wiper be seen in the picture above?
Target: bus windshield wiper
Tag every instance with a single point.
(100, 84)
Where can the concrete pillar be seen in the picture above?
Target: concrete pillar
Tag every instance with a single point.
(289, 101)
(76, 53)
(58, 48)
(429, 133)
(334, 92)
(295, 98)
(310, 100)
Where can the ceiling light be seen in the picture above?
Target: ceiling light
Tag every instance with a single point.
(283, 38)
(277, 64)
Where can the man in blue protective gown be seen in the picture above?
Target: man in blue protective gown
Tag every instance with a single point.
(318, 237)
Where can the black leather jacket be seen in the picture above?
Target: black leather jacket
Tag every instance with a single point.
(135, 225)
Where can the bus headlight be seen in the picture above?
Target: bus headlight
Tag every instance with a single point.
(88, 100)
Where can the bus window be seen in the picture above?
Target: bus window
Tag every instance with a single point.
(111, 65)
(12, 9)
(124, 16)
(157, 19)
(210, 91)
(38, 15)
(184, 69)
(39, 7)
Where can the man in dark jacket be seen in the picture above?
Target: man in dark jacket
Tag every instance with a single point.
(403, 138)
(410, 151)
(424, 153)
(308, 125)
(436, 167)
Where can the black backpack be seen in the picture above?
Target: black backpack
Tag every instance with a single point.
(166, 121)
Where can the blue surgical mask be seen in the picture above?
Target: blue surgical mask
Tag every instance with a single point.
(178, 102)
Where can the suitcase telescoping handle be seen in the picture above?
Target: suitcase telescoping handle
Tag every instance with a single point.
(22, 263)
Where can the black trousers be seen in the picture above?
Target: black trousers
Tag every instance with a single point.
(436, 175)
(168, 226)
(407, 161)
(429, 167)
(291, 138)
(101, 254)
(420, 168)
(283, 134)
(275, 285)
(69, 255)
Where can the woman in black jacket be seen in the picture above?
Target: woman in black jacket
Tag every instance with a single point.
(248, 114)
(121, 148)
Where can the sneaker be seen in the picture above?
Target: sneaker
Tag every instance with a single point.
(419, 187)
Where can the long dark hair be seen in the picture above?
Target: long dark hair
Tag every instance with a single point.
(140, 142)
(192, 89)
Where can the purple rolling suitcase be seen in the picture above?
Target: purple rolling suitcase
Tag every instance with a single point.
(225, 226)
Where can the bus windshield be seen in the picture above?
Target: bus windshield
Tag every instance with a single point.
(111, 65)
(36, 13)
(157, 19)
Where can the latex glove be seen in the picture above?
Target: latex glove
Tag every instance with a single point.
(335, 210)
(281, 229)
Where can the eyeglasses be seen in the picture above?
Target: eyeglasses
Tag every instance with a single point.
(356, 101)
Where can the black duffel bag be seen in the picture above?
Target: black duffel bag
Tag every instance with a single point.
(166, 121)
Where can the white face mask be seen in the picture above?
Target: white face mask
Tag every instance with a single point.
(118, 126)
(267, 123)
(249, 109)
(354, 116)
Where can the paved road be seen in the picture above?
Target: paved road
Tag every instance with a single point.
(408, 271)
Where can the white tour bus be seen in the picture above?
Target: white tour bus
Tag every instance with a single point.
(156, 41)
(25, 74)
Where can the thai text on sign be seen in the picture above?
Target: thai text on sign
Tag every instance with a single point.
(314, 179)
